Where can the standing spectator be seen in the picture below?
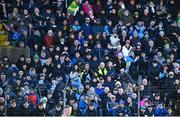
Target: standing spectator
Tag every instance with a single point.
(48, 39)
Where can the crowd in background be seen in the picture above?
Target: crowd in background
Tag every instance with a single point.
(105, 54)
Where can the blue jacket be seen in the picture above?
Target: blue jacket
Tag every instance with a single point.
(100, 92)
(87, 29)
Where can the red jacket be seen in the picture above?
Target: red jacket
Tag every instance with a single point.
(48, 41)
(33, 99)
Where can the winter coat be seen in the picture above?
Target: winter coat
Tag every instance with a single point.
(89, 112)
(48, 41)
(54, 112)
(115, 42)
(87, 29)
(75, 79)
(12, 111)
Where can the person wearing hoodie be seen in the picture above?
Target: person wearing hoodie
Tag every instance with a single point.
(91, 111)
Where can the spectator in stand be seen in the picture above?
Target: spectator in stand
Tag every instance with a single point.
(102, 52)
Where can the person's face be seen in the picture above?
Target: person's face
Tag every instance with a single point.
(94, 80)
(86, 66)
(28, 60)
(49, 95)
(102, 65)
(33, 71)
(18, 82)
(135, 34)
(110, 1)
(22, 58)
(110, 23)
(87, 21)
(91, 90)
(14, 74)
(76, 67)
(77, 55)
(90, 37)
(98, 2)
(132, 2)
(40, 107)
(58, 108)
(121, 91)
(154, 64)
(124, 33)
(141, 87)
(13, 104)
(58, 66)
(94, 58)
(113, 98)
(99, 86)
(176, 81)
(25, 12)
(87, 86)
(126, 13)
(76, 22)
(113, 11)
(81, 90)
(21, 73)
(68, 111)
(106, 90)
(110, 64)
(129, 100)
(65, 48)
(75, 106)
(171, 75)
(87, 2)
(91, 107)
(151, 43)
(127, 45)
(36, 10)
(134, 96)
(144, 82)
(26, 105)
(82, 12)
(109, 78)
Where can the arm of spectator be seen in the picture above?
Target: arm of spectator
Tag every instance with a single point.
(4, 7)
(107, 106)
(6, 27)
(162, 75)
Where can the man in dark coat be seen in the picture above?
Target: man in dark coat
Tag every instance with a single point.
(57, 111)
(13, 109)
(39, 111)
(90, 111)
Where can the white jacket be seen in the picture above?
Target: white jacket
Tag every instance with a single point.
(115, 42)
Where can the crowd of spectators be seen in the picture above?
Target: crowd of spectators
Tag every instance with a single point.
(104, 56)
